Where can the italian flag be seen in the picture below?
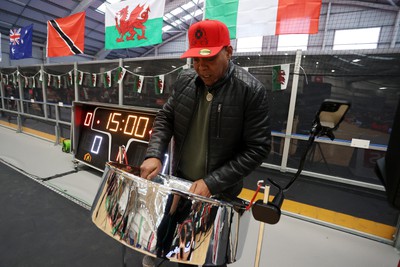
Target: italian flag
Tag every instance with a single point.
(145, 18)
(280, 77)
(248, 18)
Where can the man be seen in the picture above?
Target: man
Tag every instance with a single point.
(218, 116)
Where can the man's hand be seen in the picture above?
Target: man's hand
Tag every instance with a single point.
(150, 168)
(200, 188)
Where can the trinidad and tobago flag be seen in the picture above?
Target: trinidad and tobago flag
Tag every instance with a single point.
(66, 36)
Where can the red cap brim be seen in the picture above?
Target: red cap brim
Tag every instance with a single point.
(202, 52)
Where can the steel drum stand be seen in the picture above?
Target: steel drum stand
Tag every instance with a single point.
(262, 225)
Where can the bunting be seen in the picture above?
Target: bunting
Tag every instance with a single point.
(159, 84)
(138, 84)
(120, 74)
(79, 78)
(280, 77)
(107, 79)
(93, 80)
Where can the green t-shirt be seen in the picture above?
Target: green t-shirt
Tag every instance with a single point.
(193, 160)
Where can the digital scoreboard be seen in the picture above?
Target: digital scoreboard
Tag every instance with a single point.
(100, 129)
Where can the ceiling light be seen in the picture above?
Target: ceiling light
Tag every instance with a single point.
(382, 88)
(356, 60)
(332, 70)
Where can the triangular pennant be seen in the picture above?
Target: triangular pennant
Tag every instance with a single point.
(49, 77)
(93, 80)
(120, 74)
(159, 84)
(107, 79)
(280, 77)
(79, 77)
(69, 78)
(59, 81)
(138, 83)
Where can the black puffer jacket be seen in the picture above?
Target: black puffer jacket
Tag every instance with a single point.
(239, 129)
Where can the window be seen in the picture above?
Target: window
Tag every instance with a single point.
(249, 44)
(366, 38)
(290, 42)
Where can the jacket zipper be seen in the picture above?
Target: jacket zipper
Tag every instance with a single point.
(219, 109)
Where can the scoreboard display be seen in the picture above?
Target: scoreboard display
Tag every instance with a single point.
(100, 129)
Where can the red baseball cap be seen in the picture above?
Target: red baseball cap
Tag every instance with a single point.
(207, 38)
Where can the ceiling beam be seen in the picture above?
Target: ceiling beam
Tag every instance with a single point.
(83, 5)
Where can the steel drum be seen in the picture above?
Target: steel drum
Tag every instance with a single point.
(161, 218)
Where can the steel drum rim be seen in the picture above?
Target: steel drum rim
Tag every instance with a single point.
(189, 195)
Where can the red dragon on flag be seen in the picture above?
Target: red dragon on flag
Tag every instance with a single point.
(136, 20)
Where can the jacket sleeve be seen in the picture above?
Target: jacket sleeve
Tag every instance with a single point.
(162, 131)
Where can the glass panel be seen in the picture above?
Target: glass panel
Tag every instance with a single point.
(152, 71)
(371, 114)
(99, 82)
(261, 68)
(356, 39)
(292, 42)
(249, 44)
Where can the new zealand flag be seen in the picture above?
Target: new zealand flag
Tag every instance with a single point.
(21, 42)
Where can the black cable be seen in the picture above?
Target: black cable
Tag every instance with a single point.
(162, 261)
(57, 175)
(35, 176)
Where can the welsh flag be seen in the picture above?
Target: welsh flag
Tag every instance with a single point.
(49, 77)
(120, 74)
(79, 77)
(93, 80)
(134, 23)
(107, 79)
(58, 81)
(138, 83)
(69, 77)
(247, 18)
(280, 77)
(159, 84)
